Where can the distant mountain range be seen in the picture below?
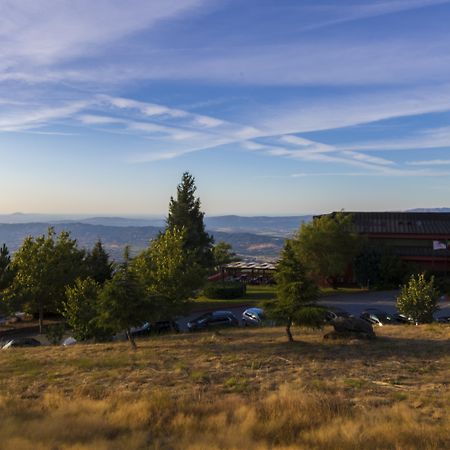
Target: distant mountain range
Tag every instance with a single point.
(260, 237)
(115, 238)
(438, 210)
(251, 237)
(260, 224)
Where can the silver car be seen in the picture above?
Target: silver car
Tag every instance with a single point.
(253, 316)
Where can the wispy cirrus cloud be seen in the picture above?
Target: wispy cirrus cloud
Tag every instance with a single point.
(48, 42)
(343, 111)
(25, 119)
(68, 46)
(431, 162)
(343, 13)
(181, 132)
(46, 32)
(430, 138)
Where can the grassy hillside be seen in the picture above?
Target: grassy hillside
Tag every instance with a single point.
(239, 389)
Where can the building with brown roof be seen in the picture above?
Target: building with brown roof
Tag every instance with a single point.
(422, 238)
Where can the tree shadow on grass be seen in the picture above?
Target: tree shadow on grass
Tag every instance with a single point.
(380, 349)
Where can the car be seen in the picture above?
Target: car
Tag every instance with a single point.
(253, 316)
(401, 318)
(141, 330)
(212, 320)
(377, 317)
(21, 342)
(164, 326)
(443, 319)
(335, 312)
(161, 326)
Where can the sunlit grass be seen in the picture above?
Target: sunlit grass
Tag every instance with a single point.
(237, 389)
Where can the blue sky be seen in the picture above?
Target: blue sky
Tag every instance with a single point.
(276, 107)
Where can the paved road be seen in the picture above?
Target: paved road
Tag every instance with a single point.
(356, 303)
(384, 300)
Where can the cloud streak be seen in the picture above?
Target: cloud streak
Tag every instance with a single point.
(351, 13)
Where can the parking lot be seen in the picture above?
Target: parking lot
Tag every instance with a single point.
(354, 303)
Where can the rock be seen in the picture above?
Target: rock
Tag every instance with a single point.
(351, 328)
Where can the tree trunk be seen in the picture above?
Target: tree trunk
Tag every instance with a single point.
(41, 317)
(288, 331)
(131, 339)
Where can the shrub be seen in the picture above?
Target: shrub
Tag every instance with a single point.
(54, 333)
(418, 299)
(224, 291)
(81, 310)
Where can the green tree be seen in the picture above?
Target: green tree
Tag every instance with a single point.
(170, 273)
(185, 213)
(223, 254)
(98, 265)
(123, 302)
(327, 245)
(5, 267)
(418, 299)
(80, 309)
(297, 293)
(43, 267)
(378, 267)
(6, 274)
(394, 271)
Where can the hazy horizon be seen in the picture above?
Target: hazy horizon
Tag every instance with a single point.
(156, 216)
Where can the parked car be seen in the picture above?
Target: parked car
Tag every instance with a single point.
(401, 318)
(22, 342)
(443, 319)
(335, 312)
(212, 320)
(377, 317)
(141, 330)
(253, 316)
(161, 326)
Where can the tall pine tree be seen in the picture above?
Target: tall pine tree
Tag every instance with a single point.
(185, 214)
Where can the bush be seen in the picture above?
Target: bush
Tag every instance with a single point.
(224, 291)
(418, 299)
(54, 333)
(378, 268)
(81, 311)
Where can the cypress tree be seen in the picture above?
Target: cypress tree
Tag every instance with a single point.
(185, 214)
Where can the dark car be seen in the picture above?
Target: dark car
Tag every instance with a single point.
(212, 320)
(22, 342)
(142, 329)
(253, 316)
(443, 319)
(401, 318)
(377, 317)
(162, 326)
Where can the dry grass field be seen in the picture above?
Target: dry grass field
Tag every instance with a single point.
(237, 389)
